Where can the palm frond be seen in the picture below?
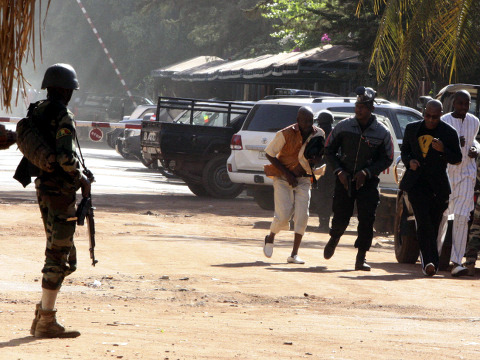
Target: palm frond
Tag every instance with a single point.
(417, 38)
(17, 34)
(455, 38)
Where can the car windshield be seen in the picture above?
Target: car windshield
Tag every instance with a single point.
(206, 118)
(403, 117)
(271, 117)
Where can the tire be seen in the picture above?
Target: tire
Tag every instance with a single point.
(264, 199)
(216, 181)
(143, 161)
(198, 189)
(385, 216)
(405, 237)
(119, 149)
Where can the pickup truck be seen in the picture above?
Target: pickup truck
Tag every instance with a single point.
(196, 145)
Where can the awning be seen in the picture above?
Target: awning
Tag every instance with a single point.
(329, 58)
(187, 65)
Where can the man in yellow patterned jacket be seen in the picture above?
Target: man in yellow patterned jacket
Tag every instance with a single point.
(292, 174)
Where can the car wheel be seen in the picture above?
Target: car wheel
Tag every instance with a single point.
(405, 237)
(264, 198)
(144, 162)
(198, 189)
(385, 216)
(217, 182)
(119, 149)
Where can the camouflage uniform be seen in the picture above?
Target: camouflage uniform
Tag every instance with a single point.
(56, 193)
(473, 245)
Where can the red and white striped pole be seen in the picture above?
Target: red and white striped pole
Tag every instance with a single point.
(115, 68)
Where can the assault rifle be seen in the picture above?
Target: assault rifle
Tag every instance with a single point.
(85, 210)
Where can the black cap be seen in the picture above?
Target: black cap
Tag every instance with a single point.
(365, 95)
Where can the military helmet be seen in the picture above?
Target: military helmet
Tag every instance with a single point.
(365, 95)
(61, 76)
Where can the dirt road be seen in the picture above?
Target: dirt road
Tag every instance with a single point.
(180, 277)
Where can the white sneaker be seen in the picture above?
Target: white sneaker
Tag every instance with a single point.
(295, 260)
(267, 248)
(459, 270)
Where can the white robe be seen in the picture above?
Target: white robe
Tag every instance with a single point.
(462, 176)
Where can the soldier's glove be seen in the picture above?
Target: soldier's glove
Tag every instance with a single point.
(85, 185)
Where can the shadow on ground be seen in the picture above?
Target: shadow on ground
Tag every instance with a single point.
(17, 342)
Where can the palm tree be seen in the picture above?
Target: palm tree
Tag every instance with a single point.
(16, 39)
(419, 38)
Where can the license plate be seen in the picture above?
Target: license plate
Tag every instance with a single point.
(150, 136)
(262, 155)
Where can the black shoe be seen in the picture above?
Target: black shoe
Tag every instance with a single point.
(363, 266)
(329, 249)
(360, 263)
(430, 269)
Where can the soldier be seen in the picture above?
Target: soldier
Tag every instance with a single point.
(473, 244)
(7, 138)
(56, 192)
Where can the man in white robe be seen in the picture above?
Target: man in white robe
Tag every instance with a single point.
(462, 180)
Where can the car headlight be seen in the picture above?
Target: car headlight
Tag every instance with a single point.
(132, 132)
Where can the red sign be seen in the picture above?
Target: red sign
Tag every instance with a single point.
(96, 134)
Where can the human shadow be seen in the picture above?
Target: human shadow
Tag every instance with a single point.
(245, 264)
(311, 269)
(17, 342)
(396, 272)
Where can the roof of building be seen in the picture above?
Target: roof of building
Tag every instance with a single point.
(328, 58)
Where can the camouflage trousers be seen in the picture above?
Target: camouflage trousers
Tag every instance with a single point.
(56, 207)
(473, 245)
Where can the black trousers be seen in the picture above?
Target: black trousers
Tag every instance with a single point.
(322, 197)
(367, 200)
(428, 209)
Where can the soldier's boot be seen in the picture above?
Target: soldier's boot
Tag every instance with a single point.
(48, 327)
(470, 265)
(35, 320)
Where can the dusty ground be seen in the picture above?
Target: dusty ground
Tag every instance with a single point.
(185, 278)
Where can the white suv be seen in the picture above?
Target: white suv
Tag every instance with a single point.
(245, 164)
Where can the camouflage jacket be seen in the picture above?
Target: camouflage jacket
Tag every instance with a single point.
(57, 128)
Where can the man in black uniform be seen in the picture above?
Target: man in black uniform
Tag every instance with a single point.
(358, 150)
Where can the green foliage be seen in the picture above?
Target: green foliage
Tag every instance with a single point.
(304, 24)
(424, 39)
(294, 20)
(143, 35)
